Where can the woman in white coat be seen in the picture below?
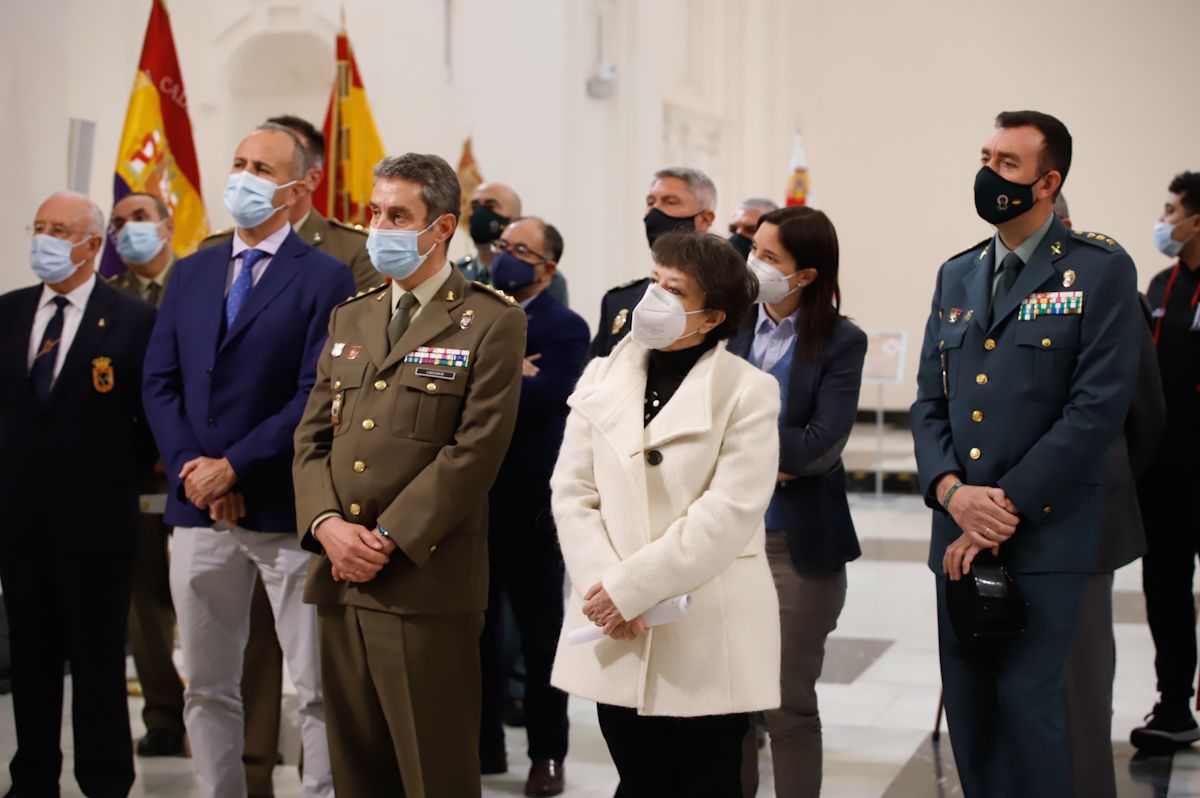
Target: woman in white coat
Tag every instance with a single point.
(666, 469)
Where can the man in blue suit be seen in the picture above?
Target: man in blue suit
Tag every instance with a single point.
(526, 564)
(228, 371)
(1029, 363)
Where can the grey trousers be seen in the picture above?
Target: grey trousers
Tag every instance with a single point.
(809, 606)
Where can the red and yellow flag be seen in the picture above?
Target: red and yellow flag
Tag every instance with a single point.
(156, 154)
(469, 177)
(798, 186)
(352, 142)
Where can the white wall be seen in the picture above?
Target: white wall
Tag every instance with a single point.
(894, 100)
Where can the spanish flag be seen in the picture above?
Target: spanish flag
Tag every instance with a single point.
(352, 144)
(798, 186)
(469, 177)
(156, 154)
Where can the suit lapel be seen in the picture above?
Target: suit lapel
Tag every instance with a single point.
(280, 271)
(87, 338)
(432, 320)
(613, 403)
(1039, 269)
(372, 327)
(22, 329)
(978, 284)
(209, 288)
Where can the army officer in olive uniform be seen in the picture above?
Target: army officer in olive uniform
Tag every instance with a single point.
(413, 408)
(1029, 363)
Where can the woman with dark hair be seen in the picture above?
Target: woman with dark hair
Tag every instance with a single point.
(665, 472)
(800, 338)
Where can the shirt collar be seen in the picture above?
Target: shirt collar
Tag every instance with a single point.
(427, 290)
(160, 278)
(1027, 247)
(78, 296)
(269, 245)
(766, 325)
(300, 223)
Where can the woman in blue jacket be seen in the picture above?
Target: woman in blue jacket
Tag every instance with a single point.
(800, 337)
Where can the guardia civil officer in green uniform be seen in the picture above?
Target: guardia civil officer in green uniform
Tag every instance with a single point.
(493, 207)
(1028, 366)
(405, 429)
(679, 199)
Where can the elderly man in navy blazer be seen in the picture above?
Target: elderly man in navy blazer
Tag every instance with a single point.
(230, 365)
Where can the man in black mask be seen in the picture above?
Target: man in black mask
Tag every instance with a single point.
(745, 222)
(1025, 379)
(680, 198)
(493, 206)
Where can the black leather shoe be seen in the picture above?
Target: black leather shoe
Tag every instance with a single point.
(493, 764)
(161, 742)
(545, 778)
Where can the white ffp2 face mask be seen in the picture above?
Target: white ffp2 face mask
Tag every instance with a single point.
(659, 320)
(772, 284)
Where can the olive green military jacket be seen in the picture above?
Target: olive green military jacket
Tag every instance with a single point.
(347, 244)
(410, 438)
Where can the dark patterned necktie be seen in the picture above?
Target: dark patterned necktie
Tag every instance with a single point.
(401, 318)
(1010, 268)
(42, 372)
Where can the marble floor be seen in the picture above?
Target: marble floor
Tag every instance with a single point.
(878, 694)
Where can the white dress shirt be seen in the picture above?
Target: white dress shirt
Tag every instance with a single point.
(72, 317)
(270, 245)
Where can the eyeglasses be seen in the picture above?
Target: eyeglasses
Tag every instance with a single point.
(52, 230)
(520, 250)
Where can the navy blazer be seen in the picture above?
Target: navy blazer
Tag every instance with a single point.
(818, 416)
(560, 336)
(70, 468)
(239, 396)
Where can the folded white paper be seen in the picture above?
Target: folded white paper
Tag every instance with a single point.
(673, 609)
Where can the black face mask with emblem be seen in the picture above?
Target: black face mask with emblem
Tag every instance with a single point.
(998, 200)
(486, 225)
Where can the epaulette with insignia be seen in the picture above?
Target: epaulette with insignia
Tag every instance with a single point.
(361, 294)
(1097, 239)
(971, 248)
(494, 291)
(354, 228)
(625, 285)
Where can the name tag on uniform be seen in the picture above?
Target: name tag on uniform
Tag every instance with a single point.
(437, 374)
(1051, 303)
(438, 356)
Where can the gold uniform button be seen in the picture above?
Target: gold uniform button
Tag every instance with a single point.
(360, 466)
(432, 549)
(1046, 343)
(977, 416)
(380, 385)
(981, 379)
(368, 424)
(989, 344)
(976, 454)
(431, 387)
(1047, 510)
(337, 384)
(355, 508)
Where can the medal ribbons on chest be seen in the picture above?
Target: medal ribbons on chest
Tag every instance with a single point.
(438, 356)
(1051, 303)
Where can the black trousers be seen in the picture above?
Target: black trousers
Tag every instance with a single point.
(685, 757)
(1171, 518)
(69, 606)
(527, 568)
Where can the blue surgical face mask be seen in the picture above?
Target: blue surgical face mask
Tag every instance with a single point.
(248, 198)
(1165, 241)
(50, 258)
(139, 242)
(510, 273)
(395, 253)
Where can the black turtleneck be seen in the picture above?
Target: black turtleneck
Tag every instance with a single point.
(665, 373)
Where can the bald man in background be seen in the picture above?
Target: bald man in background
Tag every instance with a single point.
(493, 207)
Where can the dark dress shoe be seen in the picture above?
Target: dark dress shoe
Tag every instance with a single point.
(161, 742)
(493, 764)
(545, 778)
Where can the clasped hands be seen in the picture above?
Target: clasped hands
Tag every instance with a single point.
(207, 483)
(356, 553)
(987, 518)
(600, 610)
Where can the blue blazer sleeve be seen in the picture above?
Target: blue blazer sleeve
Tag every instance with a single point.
(836, 402)
(272, 437)
(930, 413)
(162, 383)
(559, 366)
